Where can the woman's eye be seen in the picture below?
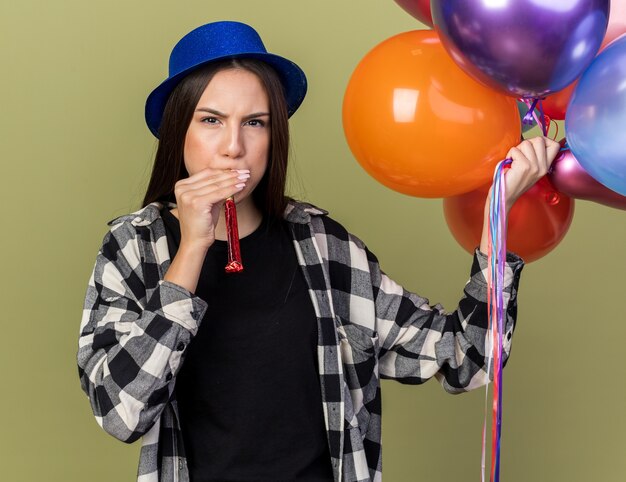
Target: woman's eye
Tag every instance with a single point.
(256, 123)
(209, 120)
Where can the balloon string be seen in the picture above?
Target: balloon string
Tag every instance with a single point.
(542, 120)
(543, 117)
(555, 124)
(234, 264)
(528, 118)
(495, 311)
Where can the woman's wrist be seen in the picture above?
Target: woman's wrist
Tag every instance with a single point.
(193, 247)
(185, 268)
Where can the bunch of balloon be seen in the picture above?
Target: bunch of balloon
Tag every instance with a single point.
(420, 125)
(444, 101)
(526, 49)
(555, 105)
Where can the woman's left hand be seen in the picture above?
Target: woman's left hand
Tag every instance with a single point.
(532, 159)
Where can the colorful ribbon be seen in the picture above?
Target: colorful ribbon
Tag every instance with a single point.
(542, 120)
(496, 258)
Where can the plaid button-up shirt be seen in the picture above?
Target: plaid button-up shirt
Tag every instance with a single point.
(136, 327)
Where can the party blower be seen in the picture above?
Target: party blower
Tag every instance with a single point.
(234, 264)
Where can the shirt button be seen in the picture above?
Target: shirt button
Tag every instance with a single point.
(180, 346)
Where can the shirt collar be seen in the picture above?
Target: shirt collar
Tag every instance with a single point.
(300, 212)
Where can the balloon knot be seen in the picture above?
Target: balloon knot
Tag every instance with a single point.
(553, 198)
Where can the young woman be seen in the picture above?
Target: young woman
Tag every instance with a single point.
(272, 373)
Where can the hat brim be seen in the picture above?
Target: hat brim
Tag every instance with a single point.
(291, 76)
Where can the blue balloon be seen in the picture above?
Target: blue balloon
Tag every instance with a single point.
(595, 120)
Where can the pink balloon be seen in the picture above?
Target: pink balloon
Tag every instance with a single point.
(420, 9)
(617, 21)
(569, 177)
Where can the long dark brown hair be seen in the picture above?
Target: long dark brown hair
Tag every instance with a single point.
(169, 166)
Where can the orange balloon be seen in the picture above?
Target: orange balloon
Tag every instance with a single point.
(420, 125)
(538, 220)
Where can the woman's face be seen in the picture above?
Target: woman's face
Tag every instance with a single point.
(230, 127)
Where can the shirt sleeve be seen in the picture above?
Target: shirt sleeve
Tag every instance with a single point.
(130, 348)
(418, 341)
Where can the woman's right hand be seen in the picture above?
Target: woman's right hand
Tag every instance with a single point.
(200, 198)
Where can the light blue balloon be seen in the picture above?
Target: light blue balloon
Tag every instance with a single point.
(595, 120)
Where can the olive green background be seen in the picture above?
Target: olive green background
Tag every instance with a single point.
(76, 153)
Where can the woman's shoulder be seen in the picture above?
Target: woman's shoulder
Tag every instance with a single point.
(124, 231)
(301, 212)
(142, 217)
(124, 237)
(322, 222)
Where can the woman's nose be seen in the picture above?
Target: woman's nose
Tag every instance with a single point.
(233, 146)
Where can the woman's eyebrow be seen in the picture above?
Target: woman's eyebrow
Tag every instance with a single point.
(256, 114)
(211, 111)
(221, 114)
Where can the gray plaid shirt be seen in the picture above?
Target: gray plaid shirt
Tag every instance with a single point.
(136, 327)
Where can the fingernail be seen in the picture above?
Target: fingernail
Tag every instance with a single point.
(240, 185)
(243, 177)
(242, 171)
